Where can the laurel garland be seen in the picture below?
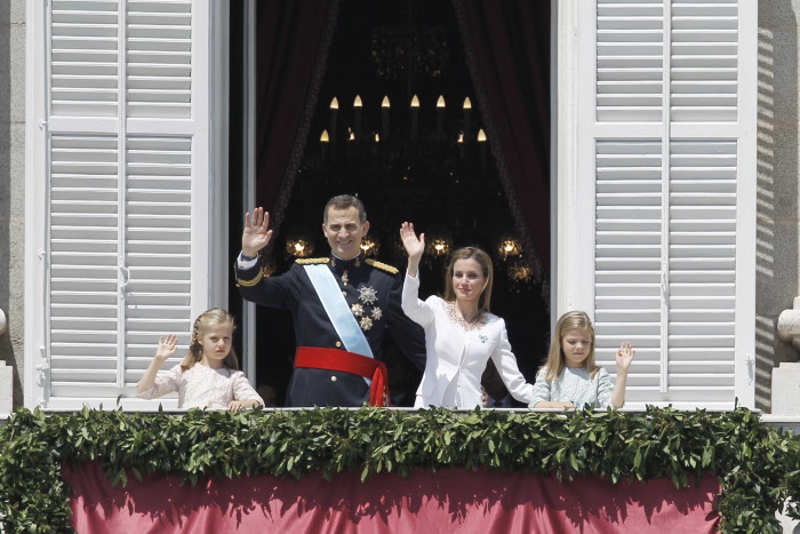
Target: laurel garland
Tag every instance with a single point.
(758, 466)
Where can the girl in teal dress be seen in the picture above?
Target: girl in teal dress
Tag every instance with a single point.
(570, 378)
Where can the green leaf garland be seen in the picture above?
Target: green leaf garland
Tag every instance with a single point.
(758, 466)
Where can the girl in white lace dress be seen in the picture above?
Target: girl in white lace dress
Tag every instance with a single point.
(570, 378)
(208, 377)
(460, 333)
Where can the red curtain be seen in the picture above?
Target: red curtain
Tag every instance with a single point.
(292, 47)
(448, 500)
(507, 47)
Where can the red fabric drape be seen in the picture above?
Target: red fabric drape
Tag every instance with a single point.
(508, 54)
(450, 500)
(292, 46)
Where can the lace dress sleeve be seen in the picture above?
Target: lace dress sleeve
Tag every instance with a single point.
(164, 383)
(242, 390)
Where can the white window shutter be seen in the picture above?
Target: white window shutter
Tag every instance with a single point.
(666, 158)
(628, 251)
(125, 242)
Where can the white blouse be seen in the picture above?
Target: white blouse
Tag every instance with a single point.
(203, 387)
(457, 354)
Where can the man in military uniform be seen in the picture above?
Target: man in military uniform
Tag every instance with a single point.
(341, 307)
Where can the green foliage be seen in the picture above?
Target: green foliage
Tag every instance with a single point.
(758, 466)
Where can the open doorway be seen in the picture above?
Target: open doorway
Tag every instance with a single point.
(430, 164)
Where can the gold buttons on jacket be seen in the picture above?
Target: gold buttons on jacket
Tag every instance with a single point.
(344, 293)
(333, 379)
(338, 344)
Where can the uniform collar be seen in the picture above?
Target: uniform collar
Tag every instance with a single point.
(340, 265)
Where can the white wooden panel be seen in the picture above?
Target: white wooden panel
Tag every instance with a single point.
(702, 284)
(630, 57)
(628, 250)
(159, 59)
(704, 61)
(83, 326)
(84, 48)
(158, 256)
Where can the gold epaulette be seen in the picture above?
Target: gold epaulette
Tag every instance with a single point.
(311, 261)
(382, 266)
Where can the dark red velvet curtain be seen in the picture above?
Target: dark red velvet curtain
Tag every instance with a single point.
(508, 54)
(292, 48)
(449, 500)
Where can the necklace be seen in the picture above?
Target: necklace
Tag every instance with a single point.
(477, 320)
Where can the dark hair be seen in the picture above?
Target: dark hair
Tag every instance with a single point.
(343, 202)
(195, 354)
(483, 259)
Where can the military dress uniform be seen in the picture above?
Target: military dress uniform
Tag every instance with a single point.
(372, 291)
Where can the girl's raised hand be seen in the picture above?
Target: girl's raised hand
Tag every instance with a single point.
(255, 235)
(414, 245)
(625, 356)
(166, 347)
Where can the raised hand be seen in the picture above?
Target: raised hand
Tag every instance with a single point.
(625, 356)
(414, 245)
(166, 347)
(255, 235)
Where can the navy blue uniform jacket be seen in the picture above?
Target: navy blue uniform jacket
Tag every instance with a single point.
(371, 289)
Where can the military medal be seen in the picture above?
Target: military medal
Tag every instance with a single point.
(367, 294)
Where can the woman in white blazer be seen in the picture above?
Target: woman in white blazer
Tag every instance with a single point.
(460, 333)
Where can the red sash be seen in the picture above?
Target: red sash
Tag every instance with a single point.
(348, 362)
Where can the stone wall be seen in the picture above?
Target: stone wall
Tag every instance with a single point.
(12, 185)
(777, 183)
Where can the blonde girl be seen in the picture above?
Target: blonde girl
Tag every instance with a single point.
(208, 376)
(570, 378)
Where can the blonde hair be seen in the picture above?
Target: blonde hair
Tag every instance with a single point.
(214, 316)
(574, 320)
(485, 262)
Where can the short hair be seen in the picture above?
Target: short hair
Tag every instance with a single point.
(343, 202)
(483, 259)
(574, 320)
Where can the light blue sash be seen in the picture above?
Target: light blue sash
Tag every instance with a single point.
(338, 311)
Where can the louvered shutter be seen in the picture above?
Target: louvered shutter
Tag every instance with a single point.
(667, 143)
(126, 240)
